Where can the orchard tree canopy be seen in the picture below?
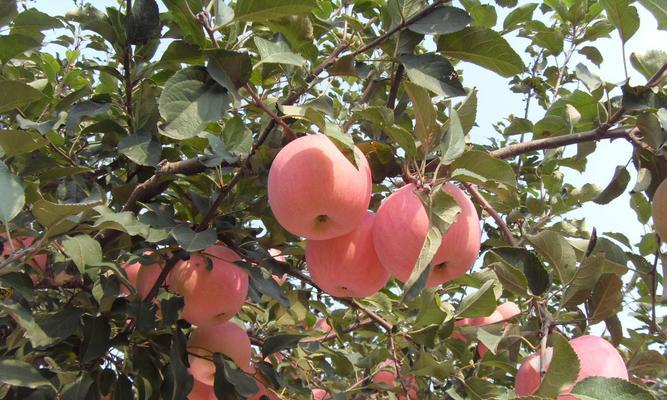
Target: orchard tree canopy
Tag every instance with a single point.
(158, 244)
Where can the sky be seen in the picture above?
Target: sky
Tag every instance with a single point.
(496, 102)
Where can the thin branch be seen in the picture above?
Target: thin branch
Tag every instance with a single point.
(169, 265)
(383, 38)
(657, 77)
(258, 101)
(372, 315)
(393, 91)
(479, 199)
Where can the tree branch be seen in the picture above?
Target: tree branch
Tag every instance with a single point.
(258, 101)
(479, 199)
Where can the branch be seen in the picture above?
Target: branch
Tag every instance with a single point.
(479, 199)
(258, 101)
(657, 77)
(383, 38)
(393, 91)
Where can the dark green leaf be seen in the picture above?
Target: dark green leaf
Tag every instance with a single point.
(96, 341)
(616, 187)
(15, 44)
(193, 241)
(17, 94)
(178, 382)
(479, 303)
(427, 129)
(563, 369)
(433, 72)
(519, 15)
(482, 168)
(143, 22)
(557, 250)
(600, 388)
(229, 68)
(606, 298)
(280, 342)
(141, 148)
(440, 21)
(262, 10)
(88, 108)
(12, 196)
(21, 373)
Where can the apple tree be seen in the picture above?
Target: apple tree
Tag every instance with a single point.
(302, 199)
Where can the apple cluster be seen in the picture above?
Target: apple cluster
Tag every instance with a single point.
(315, 192)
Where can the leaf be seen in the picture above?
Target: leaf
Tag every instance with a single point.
(17, 94)
(563, 369)
(519, 15)
(96, 342)
(83, 250)
(467, 111)
(277, 53)
(87, 108)
(178, 382)
(592, 54)
(624, 17)
(124, 221)
(23, 317)
(15, 44)
(141, 148)
(649, 62)
(483, 47)
(230, 69)
(77, 389)
(479, 303)
(49, 214)
(480, 167)
(143, 22)
(237, 137)
(659, 10)
(15, 143)
(518, 125)
(452, 143)
(600, 388)
(480, 389)
(520, 269)
(427, 129)
(404, 139)
(7, 11)
(557, 250)
(191, 98)
(277, 343)
(583, 281)
(591, 80)
(191, 241)
(606, 298)
(179, 12)
(433, 72)
(647, 362)
(262, 10)
(440, 21)
(619, 182)
(224, 14)
(243, 384)
(21, 373)
(12, 196)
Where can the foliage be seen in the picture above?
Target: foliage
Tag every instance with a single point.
(153, 126)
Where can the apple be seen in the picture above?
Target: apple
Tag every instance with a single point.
(659, 210)
(277, 255)
(143, 276)
(315, 192)
(502, 313)
(320, 394)
(211, 295)
(388, 376)
(201, 391)
(38, 261)
(597, 357)
(400, 230)
(347, 266)
(323, 325)
(226, 338)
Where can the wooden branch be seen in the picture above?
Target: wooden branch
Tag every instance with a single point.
(258, 101)
(479, 199)
(393, 91)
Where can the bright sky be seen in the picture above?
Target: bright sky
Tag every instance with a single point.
(496, 102)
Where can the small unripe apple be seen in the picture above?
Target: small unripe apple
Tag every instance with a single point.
(659, 208)
(212, 286)
(597, 357)
(226, 338)
(315, 192)
(347, 266)
(201, 391)
(400, 230)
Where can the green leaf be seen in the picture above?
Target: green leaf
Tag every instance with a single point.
(280, 342)
(96, 341)
(237, 137)
(230, 69)
(23, 317)
(13, 45)
(17, 94)
(619, 182)
(480, 389)
(224, 14)
(659, 10)
(191, 241)
(624, 17)
(440, 21)
(649, 62)
(563, 369)
(519, 15)
(178, 382)
(479, 303)
(276, 53)
(262, 10)
(520, 269)
(179, 12)
(404, 139)
(453, 142)
(467, 111)
(189, 100)
(593, 54)
(12, 195)
(517, 126)
(483, 47)
(83, 250)
(21, 373)
(606, 298)
(583, 281)
(480, 167)
(87, 108)
(143, 23)
(15, 143)
(427, 129)
(600, 388)
(124, 221)
(141, 148)
(557, 250)
(590, 79)
(49, 214)
(7, 11)
(77, 389)
(434, 73)
(483, 15)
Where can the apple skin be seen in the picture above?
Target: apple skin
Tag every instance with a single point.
(402, 224)
(201, 391)
(347, 266)
(227, 338)
(38, 261)
(210, 296)
(143, 277)
(597, 357)
(659, 210)
(387, 375)
(320, 394)
(315, 192)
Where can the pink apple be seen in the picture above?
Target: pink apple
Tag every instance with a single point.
(277, 255)
(659, 210)
(502, 313)
(143, 276)
(347, 266)
(38, 261)
(201, 391)
(211, 295)
(315, 192)
(226, 338)
(323, 325)
(320, 394)
(387, 375)
(597, 357)
(401, 227)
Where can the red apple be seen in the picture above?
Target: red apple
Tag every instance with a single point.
(143, 276)
(315, 192)
(39, 261)
(597, 357)
(226, 338)
(201, 391)
(277, 255)
(402, 224)
(388, 376)
(347, 266)
(211, 295)
(659, 208)
(320, 394)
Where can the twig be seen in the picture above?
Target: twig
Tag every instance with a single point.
(372, 315)
(479, 199)
(654, 288)
(393, 91)
(169, 265)
(397, 366)
(258, 101)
